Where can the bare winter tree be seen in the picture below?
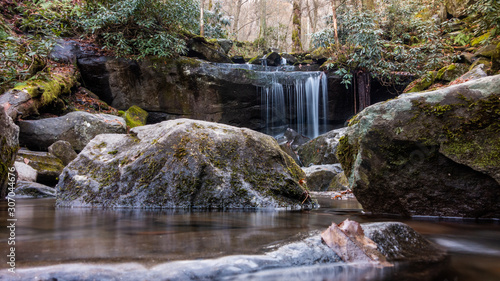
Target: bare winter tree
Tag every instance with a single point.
(297, 28)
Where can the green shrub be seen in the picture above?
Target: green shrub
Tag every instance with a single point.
(140, 28)
(394, 40)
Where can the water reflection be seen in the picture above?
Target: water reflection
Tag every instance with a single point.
(46, 236)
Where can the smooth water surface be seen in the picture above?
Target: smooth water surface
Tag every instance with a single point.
(48, 236)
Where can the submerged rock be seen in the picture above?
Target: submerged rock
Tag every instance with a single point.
(434, 153)
(307, 252)
(182, 163)
(321, 150)
(9, 144)
(77, 128)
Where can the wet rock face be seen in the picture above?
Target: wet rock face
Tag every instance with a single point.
(77, 128)
(182, 163)
(184, 87)
(399, 242)
(9, 144)
(433, 153)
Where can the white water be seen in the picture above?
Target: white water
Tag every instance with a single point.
(300, 105)
(290, 98)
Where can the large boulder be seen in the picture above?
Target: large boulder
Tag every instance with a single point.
(435, 153)
(182, 163)
(321, 150)
(457, 8)
(77, 128)
(9, 144)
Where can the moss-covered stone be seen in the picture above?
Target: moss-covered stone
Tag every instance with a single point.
(9, 146)
(183, 163)
(49, 90)
(480, 40)
(422, 83)
(255, 60)
(433, 153)
(135, 116)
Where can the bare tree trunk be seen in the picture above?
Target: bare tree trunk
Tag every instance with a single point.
(297, 33)
(237, 18)
(334, 19)
(202, 32)
(263, 22)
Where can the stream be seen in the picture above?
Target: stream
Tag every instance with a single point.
(49, 236)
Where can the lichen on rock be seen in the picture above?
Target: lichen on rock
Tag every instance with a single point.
(433, 153)
(183, 163)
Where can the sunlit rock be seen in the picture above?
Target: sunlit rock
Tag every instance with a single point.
(183, 163)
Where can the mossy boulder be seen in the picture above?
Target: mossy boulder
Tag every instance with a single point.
(183, 163)
(135, 116)
(255, 60)
(9, 144)
(47, 166)
(457, 8)
(422, 83)
(272, 59)
(451, 72)
(435, 153)
(199, 47)
(77, 128)
(321, 150)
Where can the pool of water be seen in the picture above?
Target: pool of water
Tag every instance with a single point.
(49, 236)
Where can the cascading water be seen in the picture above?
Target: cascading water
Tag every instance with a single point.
(297, 100)
(290, 98)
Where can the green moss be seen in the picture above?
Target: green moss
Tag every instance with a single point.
(113, 152)
(422, 83)
(185, 61)
(49, 90)
(347, 153)
(432, 109)
(445, 69)
(481, 39)
(135, 116)
(254, 60)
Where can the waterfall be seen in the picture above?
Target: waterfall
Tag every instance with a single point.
(297, 100)
(289, 98)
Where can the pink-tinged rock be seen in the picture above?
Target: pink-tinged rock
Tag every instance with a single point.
(349, 242)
